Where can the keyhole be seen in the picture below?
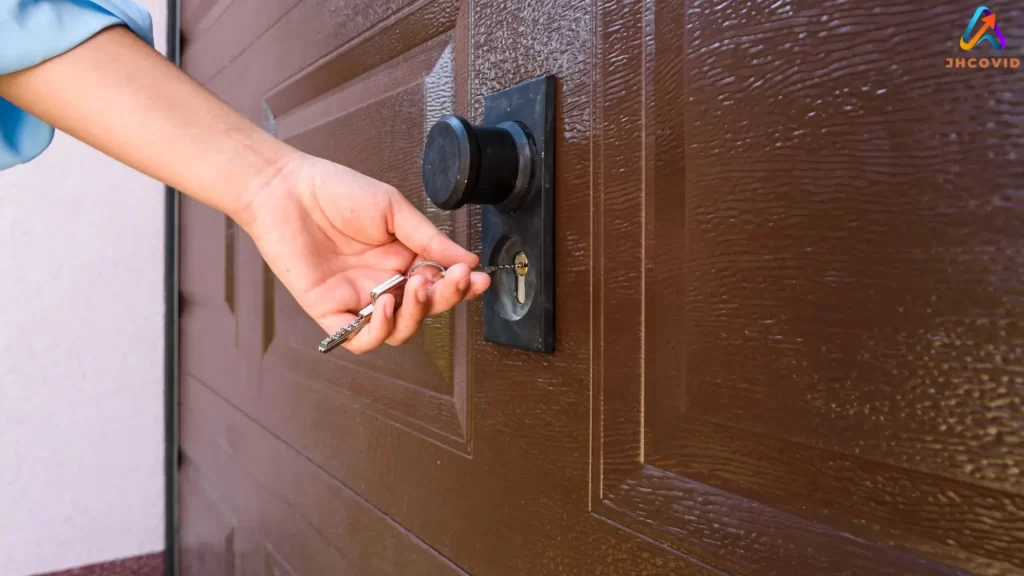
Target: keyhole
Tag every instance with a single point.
(522, 264)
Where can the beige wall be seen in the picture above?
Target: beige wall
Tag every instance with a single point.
(81, 358)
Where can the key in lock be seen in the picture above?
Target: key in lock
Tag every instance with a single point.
(522, 267)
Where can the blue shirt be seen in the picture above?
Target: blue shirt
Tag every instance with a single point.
(33, 31)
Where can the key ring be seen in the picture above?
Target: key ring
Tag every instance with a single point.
(396, 282)
(427, 263)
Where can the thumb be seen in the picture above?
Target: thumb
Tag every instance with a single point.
(416, 231)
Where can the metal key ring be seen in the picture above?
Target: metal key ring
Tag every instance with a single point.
(427, 263)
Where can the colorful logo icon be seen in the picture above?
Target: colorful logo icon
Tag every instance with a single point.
(987, 27)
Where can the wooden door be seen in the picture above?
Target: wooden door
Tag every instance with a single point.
(789, 301)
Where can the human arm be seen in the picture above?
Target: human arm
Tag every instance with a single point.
(329, 233)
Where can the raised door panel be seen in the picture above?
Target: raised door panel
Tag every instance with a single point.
(394, 425)
(386, 110)
(284, 439)
(809, 323)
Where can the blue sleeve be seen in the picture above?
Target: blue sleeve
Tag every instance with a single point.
(33, 31)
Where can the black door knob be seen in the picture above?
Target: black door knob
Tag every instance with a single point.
(466, 164)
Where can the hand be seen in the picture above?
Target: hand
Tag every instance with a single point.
(331, 235)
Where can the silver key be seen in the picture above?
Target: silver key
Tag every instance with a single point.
(493, 269)
(484, 269)
(394, 286)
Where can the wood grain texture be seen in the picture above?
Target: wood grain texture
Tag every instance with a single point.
(790, 241)
(873, 276)
(848, 267)
(811, 383)
(919, 512)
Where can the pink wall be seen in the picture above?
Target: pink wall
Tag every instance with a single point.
(81, 358)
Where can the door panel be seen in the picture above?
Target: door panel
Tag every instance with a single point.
(420, 385)
(788, 324)
(820, 323)
(294, 510)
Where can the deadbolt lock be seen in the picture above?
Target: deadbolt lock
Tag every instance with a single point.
(506, 165)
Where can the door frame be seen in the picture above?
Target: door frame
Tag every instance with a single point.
(171, 310)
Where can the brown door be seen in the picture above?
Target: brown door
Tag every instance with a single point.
(789, 319)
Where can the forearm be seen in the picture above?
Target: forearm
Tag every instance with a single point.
(118, 95)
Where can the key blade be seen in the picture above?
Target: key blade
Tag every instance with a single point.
(345, 334)
(339, 337)
(331, 342)
(394, 286)
(493, 269)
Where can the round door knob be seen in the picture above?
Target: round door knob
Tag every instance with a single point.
(466, 164)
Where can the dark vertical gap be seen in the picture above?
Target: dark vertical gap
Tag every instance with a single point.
(268, 306)
(229, 554)
(229, 263)
(171, 334)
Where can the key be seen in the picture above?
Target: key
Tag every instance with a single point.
(522, 268)
(493, 269)
(394, 286)
(484, 269)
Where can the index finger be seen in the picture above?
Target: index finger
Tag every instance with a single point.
(416, 231)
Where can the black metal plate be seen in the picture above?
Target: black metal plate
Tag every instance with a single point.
(530, 228)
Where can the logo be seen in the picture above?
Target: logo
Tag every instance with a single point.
(988, 23)
(982, 31)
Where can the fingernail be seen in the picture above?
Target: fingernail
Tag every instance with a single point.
(389, 310)
(463, 284)
(421, 294)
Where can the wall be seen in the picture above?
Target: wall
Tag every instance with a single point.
(81, 358)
